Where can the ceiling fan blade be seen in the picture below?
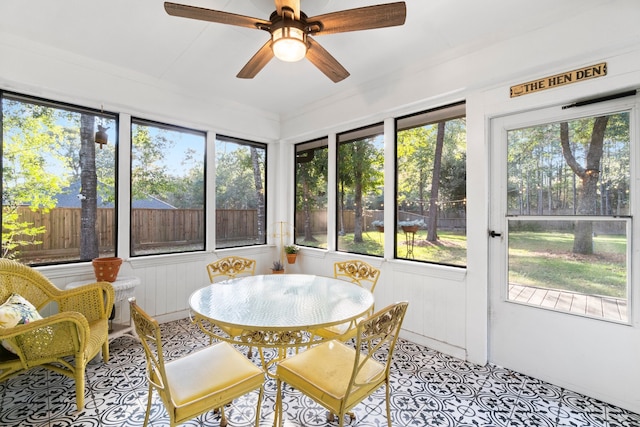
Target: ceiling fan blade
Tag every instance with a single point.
(291, 4)
(362, 18)
(184, 11)
(257, 62)
(325, 62)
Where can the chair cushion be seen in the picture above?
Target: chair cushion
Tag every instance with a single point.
(324, 371)
(16, 311)
(219, 368)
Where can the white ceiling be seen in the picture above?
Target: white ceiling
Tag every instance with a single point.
(202, 59)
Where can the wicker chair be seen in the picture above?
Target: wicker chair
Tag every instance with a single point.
(63, 342)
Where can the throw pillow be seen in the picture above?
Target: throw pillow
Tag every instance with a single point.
(16, 311)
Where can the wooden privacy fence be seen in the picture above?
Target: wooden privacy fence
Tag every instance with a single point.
(158, 227)
(319, 221)
(62, 227)
(150, 227)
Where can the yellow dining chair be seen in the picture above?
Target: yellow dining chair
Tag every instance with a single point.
(197, 383)
(338, 376)
(360, 273)
(229, 268)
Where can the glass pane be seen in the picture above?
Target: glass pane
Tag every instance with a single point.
(546, 271)
(58, 184)
(580, 167)
(360, 190)
(240, 192)
(167, 189)
(311, 165)
(431, 192)
(576, 168)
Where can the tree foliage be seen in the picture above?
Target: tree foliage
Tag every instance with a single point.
(360, 171)
(149, 175)
(311, 179)
(432, 171)
(31, 138)
(235, 179)
(579, 167)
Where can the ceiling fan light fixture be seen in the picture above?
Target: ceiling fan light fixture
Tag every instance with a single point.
(289, 43)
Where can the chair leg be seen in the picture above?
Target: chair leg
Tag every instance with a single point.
(388, 407)
(259, 406)
(79, 377)
(331, 417)
(277, 419)
(105, 351)
(250, 353)
(146, 417)
(223, 418)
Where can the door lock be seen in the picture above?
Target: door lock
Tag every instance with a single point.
(492, 233)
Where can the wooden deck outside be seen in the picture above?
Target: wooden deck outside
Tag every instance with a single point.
(588, 305)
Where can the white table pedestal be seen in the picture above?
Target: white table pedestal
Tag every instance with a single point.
(124, 287)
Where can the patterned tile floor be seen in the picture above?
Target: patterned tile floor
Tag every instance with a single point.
(428, 389)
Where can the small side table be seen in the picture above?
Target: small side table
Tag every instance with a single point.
(124, 287)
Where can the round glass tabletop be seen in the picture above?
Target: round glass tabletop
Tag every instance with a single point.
(281, 300)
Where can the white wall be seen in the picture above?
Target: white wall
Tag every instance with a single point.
(448, 306)
(449, 310)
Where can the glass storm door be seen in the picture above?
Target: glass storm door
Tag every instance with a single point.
(560, 233)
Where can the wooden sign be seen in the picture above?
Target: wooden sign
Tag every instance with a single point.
(586, 73)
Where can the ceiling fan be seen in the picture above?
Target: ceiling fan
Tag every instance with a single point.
(291, 31)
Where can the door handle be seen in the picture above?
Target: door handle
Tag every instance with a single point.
(492, 233)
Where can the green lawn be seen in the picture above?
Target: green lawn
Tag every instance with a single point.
(546, 260)
(541, 259)
(450, 249)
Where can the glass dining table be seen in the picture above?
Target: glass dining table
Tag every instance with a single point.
(279, 311)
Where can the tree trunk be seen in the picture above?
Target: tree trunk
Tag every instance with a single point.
(587, 197)
(432, 226)
(89, 248)
(308, 232)
(341, 232)
(357, 221)
(257, 177)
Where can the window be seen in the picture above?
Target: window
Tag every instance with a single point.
(58, 184)
(311, 163)
(167, 188)
(431, 186)
(241, 168)
(568, 207)
(360, 190)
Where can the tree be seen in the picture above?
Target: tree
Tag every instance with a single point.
(89, 248)
(589, 174)
(311, 177)
(432, 225)
(30, 136)
(361, 166)
(432, 170)
(415, 166)
(149, 176)
(259, 191)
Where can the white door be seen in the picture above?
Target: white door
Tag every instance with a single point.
(561, 226)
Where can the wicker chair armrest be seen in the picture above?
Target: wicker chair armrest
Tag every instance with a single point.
(94, 300)
(59, 334)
